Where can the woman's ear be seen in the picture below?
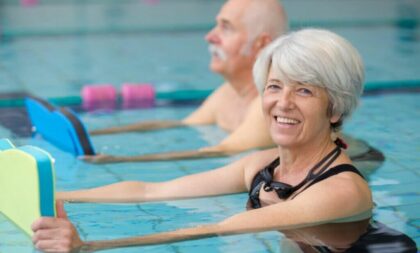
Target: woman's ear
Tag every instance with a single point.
(335, 118)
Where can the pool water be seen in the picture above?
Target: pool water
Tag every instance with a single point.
(45, 60)
(394, 184)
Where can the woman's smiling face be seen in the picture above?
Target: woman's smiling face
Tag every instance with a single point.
(296, 113)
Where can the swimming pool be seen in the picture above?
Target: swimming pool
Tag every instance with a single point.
(59, 65)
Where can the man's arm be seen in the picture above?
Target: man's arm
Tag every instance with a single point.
(139, 127)
(169, 156)
(204, 114)
(252, 133)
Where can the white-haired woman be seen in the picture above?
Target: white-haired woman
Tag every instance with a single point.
(310, 82)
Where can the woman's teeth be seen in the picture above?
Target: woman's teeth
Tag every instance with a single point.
(284, 120)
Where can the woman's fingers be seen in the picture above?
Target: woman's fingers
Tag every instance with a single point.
(55, 235)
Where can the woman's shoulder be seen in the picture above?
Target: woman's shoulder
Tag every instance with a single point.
(262, 157)
(341, 187)
(257, 161)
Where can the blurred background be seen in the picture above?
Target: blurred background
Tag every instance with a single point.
(54, 47)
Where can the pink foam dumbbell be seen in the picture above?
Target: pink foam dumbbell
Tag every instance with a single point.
(28, 3)
(138, 95)
(103, 96)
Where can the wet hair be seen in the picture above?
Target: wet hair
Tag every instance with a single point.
(316, 57)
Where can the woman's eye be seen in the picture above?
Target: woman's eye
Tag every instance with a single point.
(304, 91)
(272, 87)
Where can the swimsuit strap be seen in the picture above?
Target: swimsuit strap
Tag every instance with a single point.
(263, 179)
(258, 182)
(337, 170)
(332, 172)
(284, 190)
(269, 168)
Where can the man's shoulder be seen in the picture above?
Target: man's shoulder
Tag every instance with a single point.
(223, 91)
(223, 88)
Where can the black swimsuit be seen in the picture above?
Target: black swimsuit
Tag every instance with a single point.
(259, 180)
(377, 239)
(264, 178)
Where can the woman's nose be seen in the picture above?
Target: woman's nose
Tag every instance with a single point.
(285, 100)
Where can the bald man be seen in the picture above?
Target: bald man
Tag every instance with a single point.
(243, 28)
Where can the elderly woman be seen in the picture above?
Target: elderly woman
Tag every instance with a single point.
(310, 82)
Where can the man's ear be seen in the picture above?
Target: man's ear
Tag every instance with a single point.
(262, 41)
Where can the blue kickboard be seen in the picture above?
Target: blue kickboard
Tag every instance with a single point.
(59, 126)
(26, 185)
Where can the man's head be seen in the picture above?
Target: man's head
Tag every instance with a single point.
(243, 28)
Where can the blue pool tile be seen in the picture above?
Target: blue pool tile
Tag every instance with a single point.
(396, 189)
(398, 177)
(405, 228)
(411, 211)
(387, 216)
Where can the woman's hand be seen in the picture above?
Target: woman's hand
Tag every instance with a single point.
(56, 234)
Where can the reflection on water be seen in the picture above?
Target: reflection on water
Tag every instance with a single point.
(352, 237)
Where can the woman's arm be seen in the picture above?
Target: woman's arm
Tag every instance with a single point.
(224, 180)
(322, 203)
(339, 199)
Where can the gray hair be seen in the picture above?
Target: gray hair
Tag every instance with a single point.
(317, 57)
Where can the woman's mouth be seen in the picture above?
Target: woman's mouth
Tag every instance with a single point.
(285, 120)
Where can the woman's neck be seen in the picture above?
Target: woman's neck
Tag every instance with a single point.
(299, 160)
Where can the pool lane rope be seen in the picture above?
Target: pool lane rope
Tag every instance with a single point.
(131, 96)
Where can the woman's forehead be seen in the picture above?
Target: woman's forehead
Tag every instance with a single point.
(275, 75)
(280, 77)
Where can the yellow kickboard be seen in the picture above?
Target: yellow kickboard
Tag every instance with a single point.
(26, 185)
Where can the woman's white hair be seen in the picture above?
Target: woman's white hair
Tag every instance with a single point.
(317, 57)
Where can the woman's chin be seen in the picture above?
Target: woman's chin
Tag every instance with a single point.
(283, 142)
